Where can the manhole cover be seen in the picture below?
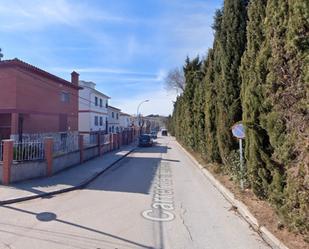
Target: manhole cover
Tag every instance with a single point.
(46, 216)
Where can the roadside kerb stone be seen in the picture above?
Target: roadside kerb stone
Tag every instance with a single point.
(81, 185)
(271, 239)
(242, 209)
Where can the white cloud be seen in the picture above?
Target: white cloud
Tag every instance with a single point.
(160, 102)
(136, 54)
(161, 75)
(106, 70)
(37, 14)
(187, 29)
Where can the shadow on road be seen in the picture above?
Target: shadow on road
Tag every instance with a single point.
(134, 174)
(57, 237)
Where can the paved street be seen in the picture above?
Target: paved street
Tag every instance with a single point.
(155, 198)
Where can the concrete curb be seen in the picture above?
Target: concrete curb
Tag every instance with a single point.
(242, 209)
(81, 185)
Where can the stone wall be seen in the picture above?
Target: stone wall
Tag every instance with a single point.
(27, 170)
(65, 161)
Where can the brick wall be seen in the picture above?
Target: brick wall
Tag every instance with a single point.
(38, 98)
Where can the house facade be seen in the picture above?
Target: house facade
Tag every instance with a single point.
(113, 119)
(93, 109)
(34, 101)
(125, 121)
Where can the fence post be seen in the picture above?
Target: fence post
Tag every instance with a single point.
(7, 161)
(114, 141)
(132, 132)
(129, 136)
(119, 141)
(81, 147)
(99, 144)
(48, 151)
(110, 142)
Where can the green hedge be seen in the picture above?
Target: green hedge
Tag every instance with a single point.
(257, 72)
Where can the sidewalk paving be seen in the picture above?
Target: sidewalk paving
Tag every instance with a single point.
(70, 179)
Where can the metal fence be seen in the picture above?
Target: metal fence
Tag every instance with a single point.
(65, 145)
(105, 139)
(28, 151)
(91, 139)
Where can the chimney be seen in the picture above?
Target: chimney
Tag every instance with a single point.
(74, 78)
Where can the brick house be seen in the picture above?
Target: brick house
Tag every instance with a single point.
(35, 101)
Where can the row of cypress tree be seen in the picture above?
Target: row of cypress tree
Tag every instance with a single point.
(257, 72)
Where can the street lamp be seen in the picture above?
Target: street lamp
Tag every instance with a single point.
(147, 100)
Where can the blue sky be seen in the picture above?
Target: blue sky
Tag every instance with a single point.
(125, 46)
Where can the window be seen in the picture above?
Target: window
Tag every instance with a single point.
(65, 97)
(106, 105)
(101, 103)
(96, 120)
(117, 116)
(101, 121)
(113, 129)
(113, 115)
(96, 101)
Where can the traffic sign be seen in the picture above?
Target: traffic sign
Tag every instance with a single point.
(238, 131)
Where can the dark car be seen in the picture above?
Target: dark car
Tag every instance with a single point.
(154, 134)
(145, 140)
(164, 132)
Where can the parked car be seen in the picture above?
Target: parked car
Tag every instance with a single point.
(164, 132)
(145, 140)
(154, 134)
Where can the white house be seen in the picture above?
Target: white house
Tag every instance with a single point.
(125, 121)
(93, 113)
(113, 119)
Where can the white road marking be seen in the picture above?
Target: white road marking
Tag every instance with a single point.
(163, 199)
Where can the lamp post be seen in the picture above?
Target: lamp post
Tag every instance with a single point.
(147, 100)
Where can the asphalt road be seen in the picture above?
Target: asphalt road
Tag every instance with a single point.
(156, 198)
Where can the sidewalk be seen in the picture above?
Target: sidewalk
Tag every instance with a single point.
(70, 179)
